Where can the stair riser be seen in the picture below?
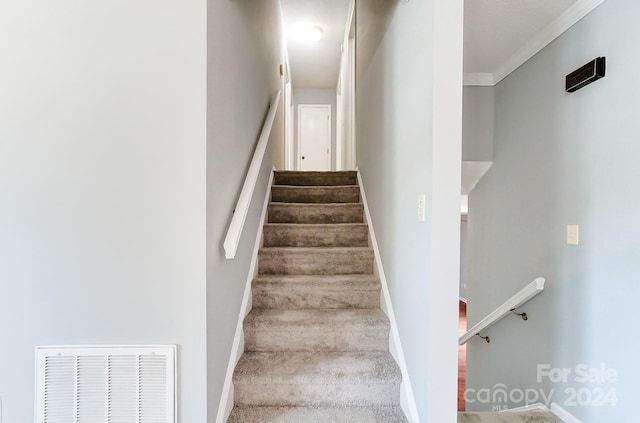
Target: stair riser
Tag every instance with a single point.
(320, 263)
(315, 214)
(316, 338)
(316, 236)
(315, 178)
(318, 395)
(302, 298)
(287, 194)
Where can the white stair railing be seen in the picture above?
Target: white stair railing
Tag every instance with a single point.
(527, 293)
(234, 232)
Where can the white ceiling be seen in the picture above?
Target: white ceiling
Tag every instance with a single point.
(495, 30)
(499, 36)
(316, 64)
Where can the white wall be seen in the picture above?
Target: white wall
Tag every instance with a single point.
(563, 159)
(316, 96)
(102, 182)
(243, 78)
(409, 114)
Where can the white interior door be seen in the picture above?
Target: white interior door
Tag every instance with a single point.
(314, 137)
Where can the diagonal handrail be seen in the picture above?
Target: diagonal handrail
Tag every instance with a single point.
(527, 293)
(234, 232)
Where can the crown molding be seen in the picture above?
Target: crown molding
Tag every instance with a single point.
(479, 79)
(546, 36)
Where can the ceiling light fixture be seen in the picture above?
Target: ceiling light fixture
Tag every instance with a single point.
(309, 32)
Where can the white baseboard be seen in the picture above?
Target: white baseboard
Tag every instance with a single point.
(407, 400)
(563, 414)
(531, 407)
(558, 411)
(237, 348)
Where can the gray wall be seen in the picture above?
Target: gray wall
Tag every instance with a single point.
(102, 182)
(316, 96)
(477, 123)
(245, 51)
(563, 159)
(403, 93)
(477, 145)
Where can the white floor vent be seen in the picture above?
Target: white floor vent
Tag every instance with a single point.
(106, 384)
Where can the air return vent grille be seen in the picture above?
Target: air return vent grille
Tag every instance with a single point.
(105, 384)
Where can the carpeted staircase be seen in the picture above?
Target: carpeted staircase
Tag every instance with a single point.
(316, 340)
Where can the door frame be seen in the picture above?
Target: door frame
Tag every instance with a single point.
(345, 98)
(351, 140)
(299, 138)
(289, 140)
(288, 126)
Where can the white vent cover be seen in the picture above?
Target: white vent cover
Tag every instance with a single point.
(106, 384)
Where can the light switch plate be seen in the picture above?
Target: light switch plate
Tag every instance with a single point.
(573, 234)
(421, 207)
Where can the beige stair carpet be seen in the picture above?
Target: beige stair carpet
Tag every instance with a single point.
(316, 340)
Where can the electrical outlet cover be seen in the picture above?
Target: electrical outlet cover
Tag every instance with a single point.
(573, 235)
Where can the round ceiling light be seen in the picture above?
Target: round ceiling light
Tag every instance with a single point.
(309, 33)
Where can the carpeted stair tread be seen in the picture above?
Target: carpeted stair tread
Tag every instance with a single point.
(313, 291)
(317, 415)
(509, 417)
(316, 235)
(339, 281)
(315, 261)
(316, 343)
(315, 194)
(316, 378)
(316, 330)
(317, 367)
(309, 213)
(315, 178)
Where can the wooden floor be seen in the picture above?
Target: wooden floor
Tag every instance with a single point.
(462, 357)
